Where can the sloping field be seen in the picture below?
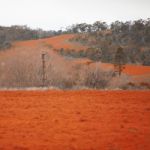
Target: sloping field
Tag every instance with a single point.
(57, 42)
(32, 48)
(29, 53)
(75, 120)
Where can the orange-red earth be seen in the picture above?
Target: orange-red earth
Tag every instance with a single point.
(75, 120)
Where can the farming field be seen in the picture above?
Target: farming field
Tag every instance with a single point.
(75, 120)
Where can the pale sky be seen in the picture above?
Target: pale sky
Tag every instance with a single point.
(54, 14)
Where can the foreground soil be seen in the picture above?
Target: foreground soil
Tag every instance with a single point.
(75, 120)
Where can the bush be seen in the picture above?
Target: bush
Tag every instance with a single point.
(145, 85)
(5, 45)
(121, 82)
(97, 78)
(93, 54)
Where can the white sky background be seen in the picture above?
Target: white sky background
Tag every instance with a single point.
(54, 14)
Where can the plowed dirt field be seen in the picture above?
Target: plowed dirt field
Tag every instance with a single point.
(75, 120)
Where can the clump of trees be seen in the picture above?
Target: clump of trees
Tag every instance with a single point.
(138, 31)
(134, 36)
(87, 28)
(98, 78)
(91, 53)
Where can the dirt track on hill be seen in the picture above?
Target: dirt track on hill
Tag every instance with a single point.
(75, 120)
(56, 42)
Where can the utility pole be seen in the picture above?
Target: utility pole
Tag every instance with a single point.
(43, 70)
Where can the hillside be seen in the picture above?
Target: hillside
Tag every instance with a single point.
(16, 60)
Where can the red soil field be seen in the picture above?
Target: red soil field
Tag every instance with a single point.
(132, 69)
(137, 70)
(75, 120)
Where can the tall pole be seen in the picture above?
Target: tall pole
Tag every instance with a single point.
(43, 70)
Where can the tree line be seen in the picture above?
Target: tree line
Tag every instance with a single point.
(14, 33)
(132, 36)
